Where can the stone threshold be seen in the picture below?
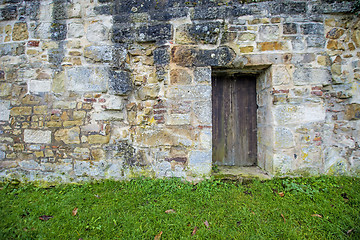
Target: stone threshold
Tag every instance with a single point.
(240, 174)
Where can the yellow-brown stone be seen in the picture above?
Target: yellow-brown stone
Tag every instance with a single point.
(323, 60)
(334, 45)
(68, 135)
(72, 123)
(246, 49)
(5, 89)
(53, 124)
(79, 115)
(20, 32)
(356, 37)
(97, 154)
(16, 111)
(270, 46)
(32, 52)
(98, 139)
(58, 85)
(39, 154)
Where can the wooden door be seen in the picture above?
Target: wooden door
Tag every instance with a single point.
(234, 120)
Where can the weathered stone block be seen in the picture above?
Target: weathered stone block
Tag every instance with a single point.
(68, 135)
(149, 92)
(16, 111)
(209, 13)
(4, 110)
(356, 37)
(269, 33)
(76, 30)
(180, 77)
(312, 29)
(20, 31)
(37, 136)
(154, 33)
(36, 86)
(5, 89)
(289, 7)
(290, 114)
(86, 79)
(283, 138)
(352, 111)
(247, 36)
(170, 14)
(98, 139)
(315, 41)
(271, 46)
(202, 75)
(58, 83)
(178, 119)
(203, 33)
(29, 165)
(12, 49)
(191, 56)
(120, 82)
(8, 12)
(203, 112)
(108, 116)
(246, 49)
(161, 56)
(200, 92)
(304, 76)
(58, 31)
(97, 32)
(335, 33)
(123, 33)
(200, 162)
(290, 28)
(103, 10)
(99, 53)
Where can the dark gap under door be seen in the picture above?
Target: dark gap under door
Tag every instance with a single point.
(234, 120)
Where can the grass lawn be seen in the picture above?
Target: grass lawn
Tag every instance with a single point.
(301, 208)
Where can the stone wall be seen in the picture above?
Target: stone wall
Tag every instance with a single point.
(94, 89)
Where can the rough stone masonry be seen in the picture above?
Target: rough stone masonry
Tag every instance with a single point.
(93, 89)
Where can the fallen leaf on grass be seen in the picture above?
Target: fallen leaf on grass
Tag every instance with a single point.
(316, 215)
(207, 224)
(74, 211)
(194, 231)
(345, 197)
(157, 237)
(283, 218)
(348, 232)
(45, 217)
(97, 196)
(281, 194)
(170, 211)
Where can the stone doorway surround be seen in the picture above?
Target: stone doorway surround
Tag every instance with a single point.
(289, 111)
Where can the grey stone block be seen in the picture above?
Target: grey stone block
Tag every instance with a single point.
(37, 136)
(99, 53)
(161, 56)
(202, 75)
(4, 110)
(305, 76)
(8, 13)
(312, 29)
(120, 82)
(12, 49)
(87, 79)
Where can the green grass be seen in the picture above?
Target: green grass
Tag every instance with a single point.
(136, 210)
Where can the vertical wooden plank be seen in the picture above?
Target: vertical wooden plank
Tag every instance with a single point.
(234, 120)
